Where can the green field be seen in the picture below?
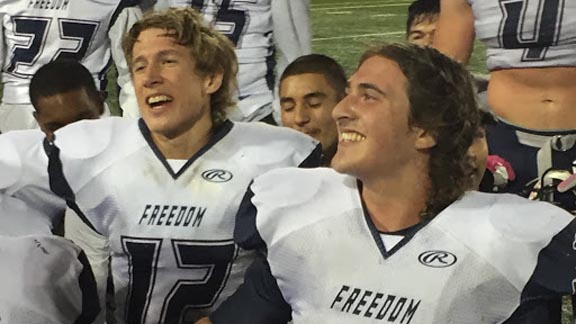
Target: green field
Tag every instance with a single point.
(343, 29)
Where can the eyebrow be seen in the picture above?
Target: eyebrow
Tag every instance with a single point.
(370, 86)
(316, 94)
(415, 32)
(160, 54)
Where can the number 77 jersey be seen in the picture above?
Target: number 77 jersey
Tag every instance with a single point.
(36, 32)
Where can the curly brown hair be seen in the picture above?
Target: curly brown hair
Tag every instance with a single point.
(211, 50)
(442, 102)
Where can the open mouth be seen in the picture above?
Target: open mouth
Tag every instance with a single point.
(351, 137)
(157, 101)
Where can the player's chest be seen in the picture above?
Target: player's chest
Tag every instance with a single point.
(430, 278)
(150, 198)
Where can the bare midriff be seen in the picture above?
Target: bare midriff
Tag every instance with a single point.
(535, 98)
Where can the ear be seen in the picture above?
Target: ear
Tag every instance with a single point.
(213, 82)
(424, 139)
(35, 114)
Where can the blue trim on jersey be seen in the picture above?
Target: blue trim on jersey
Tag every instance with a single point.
(218, 134)
(258, 300)
(410, 231)
(314, 159)
(58, 183)
(90, 302)
(246, 233)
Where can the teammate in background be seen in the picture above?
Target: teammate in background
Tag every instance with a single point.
(420, 29)
(310, 88)
(386, 234)
(59, 101)
(37, 32)
(162, 192)
(530, 50)
(45, 279)
(268, 35)
(421, 23)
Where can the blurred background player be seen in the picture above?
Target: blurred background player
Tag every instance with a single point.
(59, 101)
(182, 169)
(421, 23)
(310, 88)
(420, 28)
(37, 32)
(268, 35)
(45, 279)
(530, 47)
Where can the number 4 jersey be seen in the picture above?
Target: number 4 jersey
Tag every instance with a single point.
(526, 33)
(168, 224)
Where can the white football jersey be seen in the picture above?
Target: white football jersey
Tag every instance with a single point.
(45, 279)
(478, 261)
(169, 231)
(258, 28)
(526, 33)
(37, 32)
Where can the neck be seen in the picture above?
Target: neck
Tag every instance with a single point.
(395, 201)
(184, 145)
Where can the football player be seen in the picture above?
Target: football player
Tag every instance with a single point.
(45, 279)
(530, 46)
(310, 88)
(36, 32)
(421, 22)
(59, 101)
(268, 34)
(161, 192)
(390, 233)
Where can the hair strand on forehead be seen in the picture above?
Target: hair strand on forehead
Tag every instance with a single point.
(212, 52)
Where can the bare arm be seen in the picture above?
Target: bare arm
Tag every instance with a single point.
(455, 31)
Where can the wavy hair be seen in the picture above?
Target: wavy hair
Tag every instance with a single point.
(211, 50)
(442, 102)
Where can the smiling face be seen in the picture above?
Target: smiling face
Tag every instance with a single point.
(173, 98)
(374, 137)
(307, 101)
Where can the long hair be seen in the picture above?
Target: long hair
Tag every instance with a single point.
(442, 102)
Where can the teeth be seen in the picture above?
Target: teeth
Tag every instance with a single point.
(352, 137)
(158, 99)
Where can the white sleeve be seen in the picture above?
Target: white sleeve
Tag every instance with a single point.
(292, 38)
(292, 35)
(23, 173)
(97, 252)
(127, 17)
(45, 280)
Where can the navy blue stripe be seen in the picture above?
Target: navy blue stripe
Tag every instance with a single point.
(246, 233)
(218, 134)
(90, 304)
(58, 183)
(314, 159)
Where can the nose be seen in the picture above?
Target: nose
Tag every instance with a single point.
(301, 116)
(343, 110)
(152, 75)
(429, 39)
